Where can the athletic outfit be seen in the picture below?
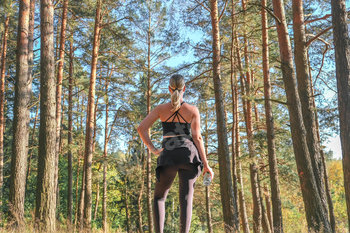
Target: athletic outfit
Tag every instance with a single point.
(180, 155)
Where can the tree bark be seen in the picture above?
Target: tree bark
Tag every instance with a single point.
(20, 120)
(30, 68)
(32, 143)
(234, 103)
(275, 190)
(325, 174)
(59, 90)
(265, 218)
(207, 190)
(90, 121)
(342, 61)
(315, 215)
(149, 178)
(2, 102)
(268, 208)
(70, 135)
(139, 205)
(104, 202)
(227, 196)
(45, 194)
(242, 206)
(302, 73)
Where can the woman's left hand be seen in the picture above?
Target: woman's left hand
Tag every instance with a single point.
(157, 151)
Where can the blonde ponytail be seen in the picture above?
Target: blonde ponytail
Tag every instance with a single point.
(176, 83)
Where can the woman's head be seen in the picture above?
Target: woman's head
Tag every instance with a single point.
(176, 87)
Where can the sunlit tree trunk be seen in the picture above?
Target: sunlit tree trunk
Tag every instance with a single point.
(20, 120)
(275, 190)
(227, 196)
(139, 205)
(234, 103)
(59, 90)
(302, 73)
(342, 61)
(45, 194)
(2, 101)
(325, 174)
(268, 207)
(90, 121)
(104, 201)
(207, 190)
(242, 206)
(314, 210)
(149, 177)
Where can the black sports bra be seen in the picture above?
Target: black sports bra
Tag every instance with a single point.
(176, 128)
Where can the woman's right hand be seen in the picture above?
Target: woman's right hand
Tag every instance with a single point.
(157, 151)
(208, 169)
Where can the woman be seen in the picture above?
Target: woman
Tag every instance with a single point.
(180, 153)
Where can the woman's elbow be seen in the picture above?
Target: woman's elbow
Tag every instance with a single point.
(197, 138)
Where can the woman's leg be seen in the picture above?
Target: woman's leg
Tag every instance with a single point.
(187, 180)
(167, 176)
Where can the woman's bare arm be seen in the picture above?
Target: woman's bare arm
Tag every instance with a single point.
(198, 140)
(145, 125)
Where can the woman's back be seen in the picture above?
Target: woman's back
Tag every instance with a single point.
(186, 111)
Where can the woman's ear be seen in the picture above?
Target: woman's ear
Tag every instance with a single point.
(170, 90)
(184, 88)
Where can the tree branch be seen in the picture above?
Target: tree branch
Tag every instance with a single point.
(223, 11)
(268, 10)
(317, 36)
(203, 5)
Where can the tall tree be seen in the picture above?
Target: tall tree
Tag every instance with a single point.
(227, 196)
(45, 192)
(306, 100)
(59, 90)
(342, 61)
(21, 119)
(315, 215)
(90, 119)
(2, 99)
(275, 190)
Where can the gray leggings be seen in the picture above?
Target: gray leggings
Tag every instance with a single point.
(187, 178)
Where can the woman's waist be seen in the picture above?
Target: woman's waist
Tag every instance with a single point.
(179, 141)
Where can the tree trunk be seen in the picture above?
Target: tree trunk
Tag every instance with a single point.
(127, 207)
(139, 205)
(207, 190)
(328, 192)
(82, 198)
(77, 206)
(315, 214)
(20, 120)
(59, 90)
(45, 194)
(342, 61)
(104, 202)
(70, 136)
(149, 177)
(243, 211)
(2, 102)
(32, 144)
(265, 219)
(302, 73)
(90, 121)
(227, 196)
(234, 103)
(275, 190)
(268, 208)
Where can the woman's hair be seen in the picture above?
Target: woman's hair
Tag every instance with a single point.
(176, 83)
